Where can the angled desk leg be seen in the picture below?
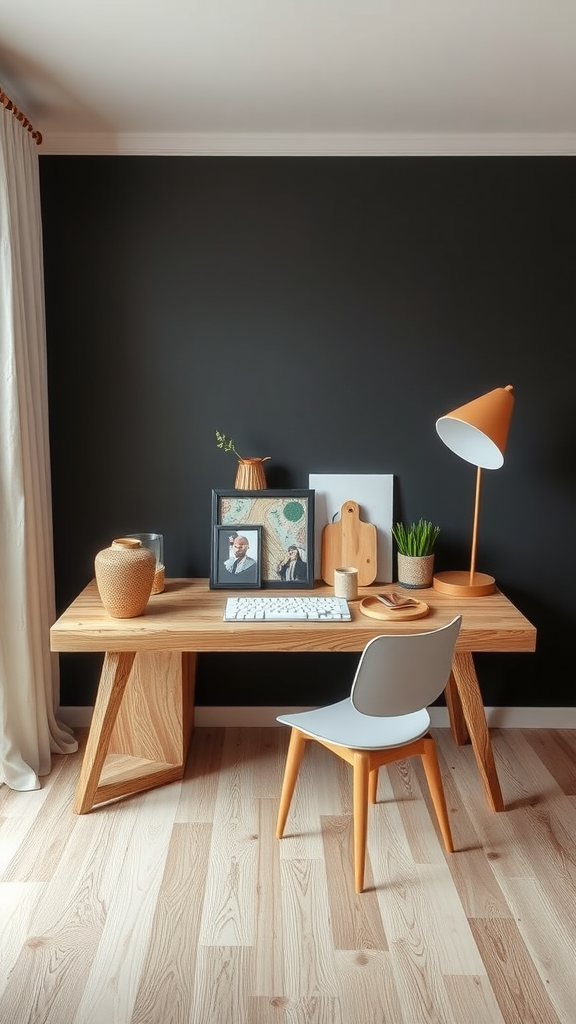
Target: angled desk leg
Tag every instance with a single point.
(471, 716)
(114, 676)
(455, 713)
(141, 725)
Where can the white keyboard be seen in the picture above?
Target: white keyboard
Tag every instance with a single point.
(287, 609)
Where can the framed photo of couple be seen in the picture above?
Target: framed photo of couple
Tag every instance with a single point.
(236, 557)
(286, 521)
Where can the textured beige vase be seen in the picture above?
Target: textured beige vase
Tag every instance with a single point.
(415, 571)
(124, 577)
(250, 475)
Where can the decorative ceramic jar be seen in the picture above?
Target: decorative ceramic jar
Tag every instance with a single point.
(250, 475)
(415, 571)
(124, 577)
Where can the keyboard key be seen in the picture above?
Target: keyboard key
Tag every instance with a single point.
(291, 614)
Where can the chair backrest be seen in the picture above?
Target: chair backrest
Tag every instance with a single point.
(401, 673)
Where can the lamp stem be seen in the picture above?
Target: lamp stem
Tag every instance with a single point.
(475, 526)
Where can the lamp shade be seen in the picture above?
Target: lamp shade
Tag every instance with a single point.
(478, 431)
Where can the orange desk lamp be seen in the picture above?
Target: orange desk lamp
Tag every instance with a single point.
(477, 432)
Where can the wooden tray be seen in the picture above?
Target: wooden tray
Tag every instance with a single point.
(374, 608)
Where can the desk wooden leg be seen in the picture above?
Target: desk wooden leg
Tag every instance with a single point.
(455, 713)
(466, 683)
(113, 679)
(141, 725)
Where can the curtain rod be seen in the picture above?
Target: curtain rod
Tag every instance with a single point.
(7, 102)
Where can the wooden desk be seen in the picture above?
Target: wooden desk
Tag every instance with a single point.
(144, 710)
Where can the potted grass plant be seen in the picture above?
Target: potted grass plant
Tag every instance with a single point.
(415, 543)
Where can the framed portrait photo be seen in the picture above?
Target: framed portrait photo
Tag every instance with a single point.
(236, 556)
(287, 521)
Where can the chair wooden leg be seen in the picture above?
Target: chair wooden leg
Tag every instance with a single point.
(373, 785)
(361, 777)
(432, 769)
(294, 757)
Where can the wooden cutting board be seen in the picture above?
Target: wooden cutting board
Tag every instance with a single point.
(349, 542)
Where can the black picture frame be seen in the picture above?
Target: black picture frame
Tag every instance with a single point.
(222, 571)
(287, 521)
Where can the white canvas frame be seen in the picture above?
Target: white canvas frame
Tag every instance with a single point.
(374, 494)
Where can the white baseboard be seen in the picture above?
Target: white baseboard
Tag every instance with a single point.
(498, 718)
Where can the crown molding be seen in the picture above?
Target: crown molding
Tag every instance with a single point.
(285, 144)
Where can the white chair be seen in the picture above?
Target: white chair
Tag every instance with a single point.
(384, 719)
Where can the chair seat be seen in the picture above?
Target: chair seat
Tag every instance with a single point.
(342, 724)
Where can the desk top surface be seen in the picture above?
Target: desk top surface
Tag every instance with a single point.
(188, 616)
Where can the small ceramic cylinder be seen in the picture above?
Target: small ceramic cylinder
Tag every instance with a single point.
(346, 582)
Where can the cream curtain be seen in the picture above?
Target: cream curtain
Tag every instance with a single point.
(29, 682)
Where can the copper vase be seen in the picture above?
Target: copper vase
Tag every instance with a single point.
(250, 475)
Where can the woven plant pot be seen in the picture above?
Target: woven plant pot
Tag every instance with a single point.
(415, 571)
(124, 577)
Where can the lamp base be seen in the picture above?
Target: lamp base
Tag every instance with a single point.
(458, 584)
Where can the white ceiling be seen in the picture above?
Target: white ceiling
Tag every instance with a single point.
(275, 76)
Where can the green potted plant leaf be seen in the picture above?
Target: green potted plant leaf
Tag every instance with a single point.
(415, 543)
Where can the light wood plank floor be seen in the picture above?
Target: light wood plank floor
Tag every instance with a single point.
(178, 906)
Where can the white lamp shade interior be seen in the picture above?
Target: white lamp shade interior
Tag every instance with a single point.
(469, 443)
(478, 431)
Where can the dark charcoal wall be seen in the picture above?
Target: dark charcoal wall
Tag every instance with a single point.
(324, 311)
